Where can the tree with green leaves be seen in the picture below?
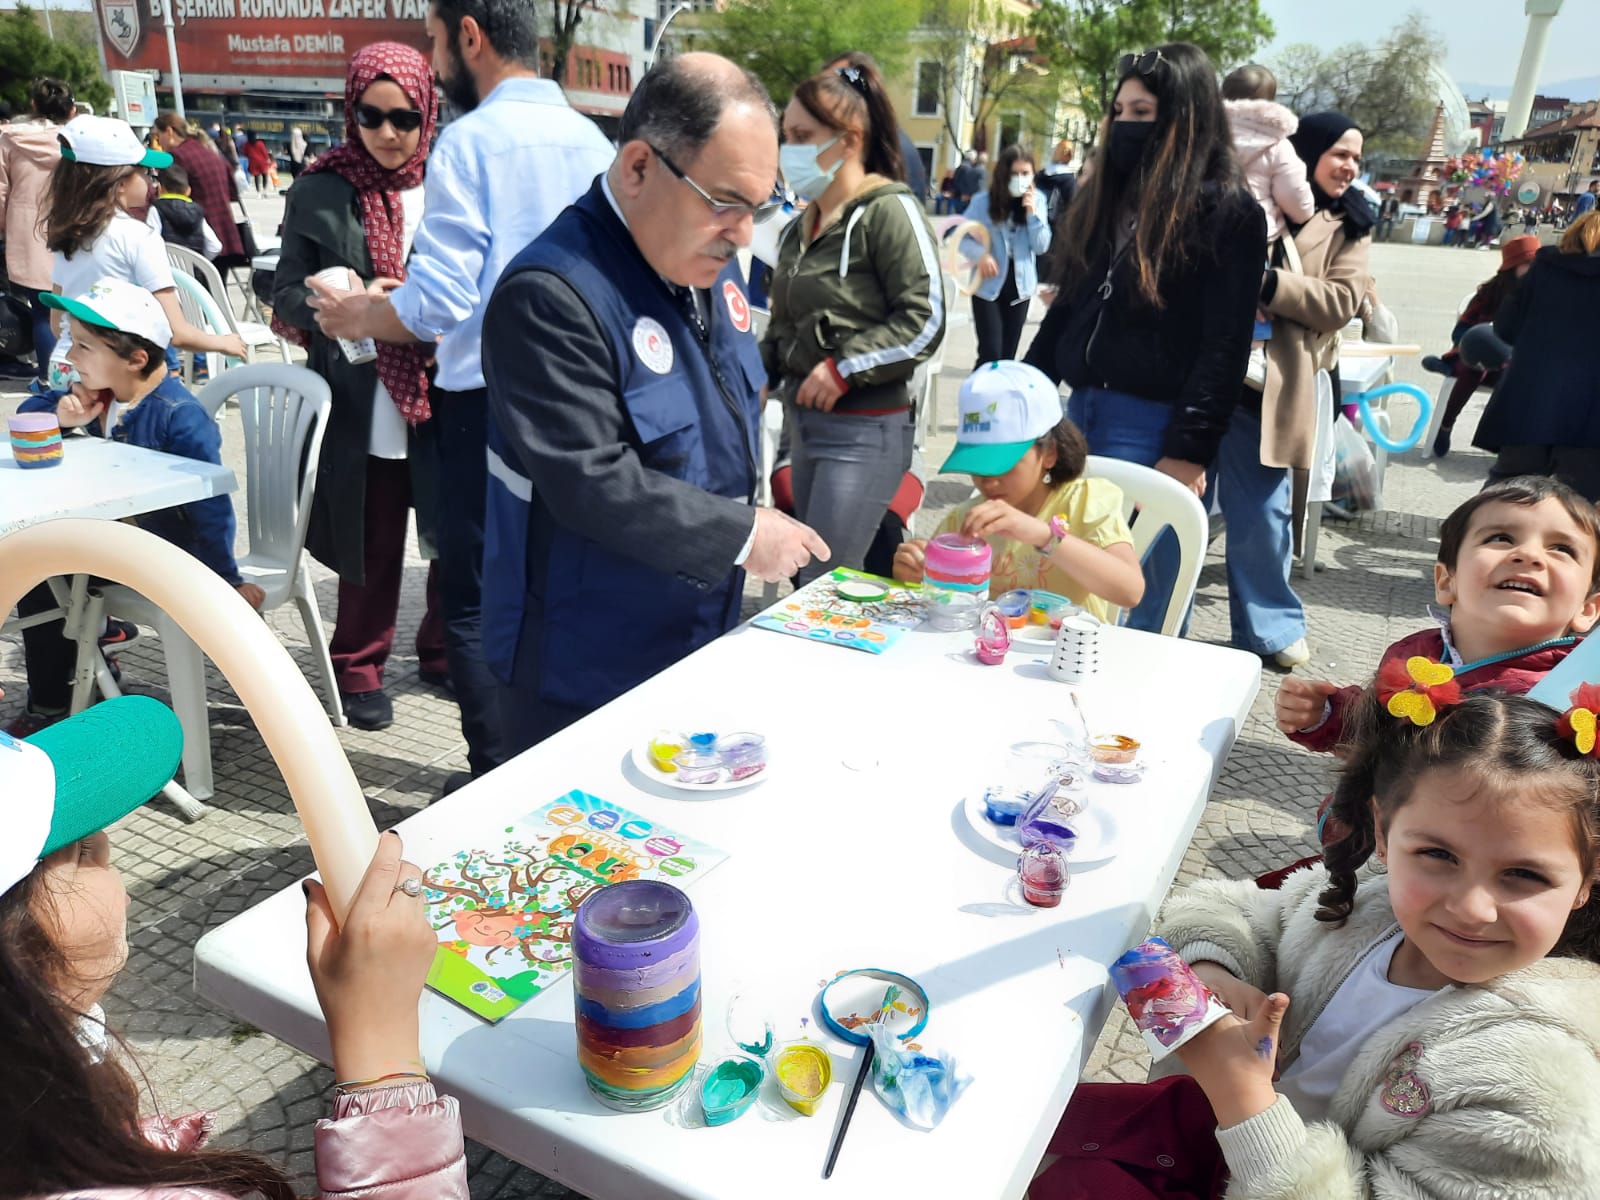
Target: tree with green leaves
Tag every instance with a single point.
(565, 17)
(1385, 88)
(27, 52)
(985, 56)
(1084, 39)
(785, 42)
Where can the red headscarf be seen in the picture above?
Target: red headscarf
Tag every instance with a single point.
(382, 218)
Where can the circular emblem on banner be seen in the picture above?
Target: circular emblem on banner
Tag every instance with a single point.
(738, 306)
(652, 345)
(1528, 193)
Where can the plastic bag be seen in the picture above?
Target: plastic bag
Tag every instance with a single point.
(918, 1087)
(1355, 473)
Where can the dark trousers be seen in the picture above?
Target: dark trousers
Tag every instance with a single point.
(363, 632)
(526, 717)
(462, 437)
(44, 336)
(1576, 466)
(998, 322)
(1468, 381)
(48, 656)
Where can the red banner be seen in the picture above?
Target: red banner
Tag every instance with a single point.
(278, 44)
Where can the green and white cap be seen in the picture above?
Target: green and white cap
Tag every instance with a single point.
(79, 775)
(108, 142)
(1005, 407)
(117, 304)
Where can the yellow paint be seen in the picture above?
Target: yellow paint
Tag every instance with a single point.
(662, 752)
(804, 1071)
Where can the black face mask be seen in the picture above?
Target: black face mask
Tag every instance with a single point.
(1127, 145)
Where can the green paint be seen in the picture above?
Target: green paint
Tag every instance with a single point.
(729, 1089)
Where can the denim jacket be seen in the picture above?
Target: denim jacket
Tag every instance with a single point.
(1010, 242)
(170, 420)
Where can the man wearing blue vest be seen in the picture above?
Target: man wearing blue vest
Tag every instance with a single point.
(624, 403)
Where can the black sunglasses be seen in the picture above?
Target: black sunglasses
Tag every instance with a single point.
(404, 120)
(1144, 64)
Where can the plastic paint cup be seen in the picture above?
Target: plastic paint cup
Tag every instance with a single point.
(804, 1071)
(743, 754)
(698, 767)
(730, 1088)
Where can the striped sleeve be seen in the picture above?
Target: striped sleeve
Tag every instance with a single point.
(907, 266)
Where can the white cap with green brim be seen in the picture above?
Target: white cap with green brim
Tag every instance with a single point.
(117, 304)
(1005, 407)
(79, 775)
(108, 142)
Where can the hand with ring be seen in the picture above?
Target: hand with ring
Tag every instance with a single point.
(369, 973)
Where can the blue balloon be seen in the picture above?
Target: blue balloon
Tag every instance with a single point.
(1379, 437)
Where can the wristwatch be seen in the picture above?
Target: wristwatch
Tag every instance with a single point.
(1059, 532)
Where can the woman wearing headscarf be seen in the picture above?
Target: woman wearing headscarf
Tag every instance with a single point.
(1312, 291)
(358, 207)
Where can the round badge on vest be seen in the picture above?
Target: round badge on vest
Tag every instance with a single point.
(738, 306)
(652, 345)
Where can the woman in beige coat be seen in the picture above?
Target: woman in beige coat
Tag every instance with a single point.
(29, 151)
(1315, 287)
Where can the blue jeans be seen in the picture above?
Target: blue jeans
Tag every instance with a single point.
(1118, 425)
(1264, 613)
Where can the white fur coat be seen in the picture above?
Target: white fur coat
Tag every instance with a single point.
(1490, 1090)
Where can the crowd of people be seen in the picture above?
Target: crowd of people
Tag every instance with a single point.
(568, 392)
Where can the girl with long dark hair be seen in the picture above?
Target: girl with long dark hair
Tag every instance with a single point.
(1159, 266)
(1018, 233)
(857, 304)
(70, 1121)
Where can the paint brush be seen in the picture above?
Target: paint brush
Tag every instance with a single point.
(884, 1009)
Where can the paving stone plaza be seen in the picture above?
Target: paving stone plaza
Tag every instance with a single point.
(187, 878)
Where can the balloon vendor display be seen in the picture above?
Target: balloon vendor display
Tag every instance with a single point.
(287, 713)
(1494, 173)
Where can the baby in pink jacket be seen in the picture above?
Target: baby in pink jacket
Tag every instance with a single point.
(1275, 174)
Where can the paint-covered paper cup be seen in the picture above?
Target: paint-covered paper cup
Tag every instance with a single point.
(1166, 999)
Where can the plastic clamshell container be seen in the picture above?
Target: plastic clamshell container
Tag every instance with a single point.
(698, 767)
(803, 1070)
(742, 754)
(730, 1087)
(1113, 748)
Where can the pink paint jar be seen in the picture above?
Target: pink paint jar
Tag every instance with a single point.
(958, 563)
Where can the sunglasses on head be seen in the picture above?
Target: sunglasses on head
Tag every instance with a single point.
(1144, 64)
(404, 120)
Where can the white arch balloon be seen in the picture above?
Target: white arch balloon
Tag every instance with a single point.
(280, 701)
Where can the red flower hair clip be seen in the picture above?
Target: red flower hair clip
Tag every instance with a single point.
(1579, 721)
(1417, 690)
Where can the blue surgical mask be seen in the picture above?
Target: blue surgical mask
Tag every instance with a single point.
(802, 172)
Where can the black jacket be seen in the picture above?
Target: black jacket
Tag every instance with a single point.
(1550, 394)
(1191, 353)
(322, 228)
(181, 222)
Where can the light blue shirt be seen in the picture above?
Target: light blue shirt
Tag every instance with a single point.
(498, 176)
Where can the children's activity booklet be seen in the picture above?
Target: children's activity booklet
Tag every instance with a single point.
(827, 610)
(503, 909)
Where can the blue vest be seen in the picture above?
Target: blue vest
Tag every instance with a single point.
(606, 622)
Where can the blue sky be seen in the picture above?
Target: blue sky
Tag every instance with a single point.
(1483, 38)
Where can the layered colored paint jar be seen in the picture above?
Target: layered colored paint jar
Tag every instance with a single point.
(957, 563)
(35, 439)
(636, 980)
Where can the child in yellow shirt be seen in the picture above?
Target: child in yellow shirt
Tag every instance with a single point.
(1049, 527)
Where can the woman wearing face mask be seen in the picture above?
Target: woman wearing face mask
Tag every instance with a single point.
(857, 304)
(1307, 296)
(1159, 266)
(357, 208)
(1018, 233)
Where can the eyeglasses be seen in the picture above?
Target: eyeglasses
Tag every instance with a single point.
(404, 120)
(723, 210)
(1144, 64)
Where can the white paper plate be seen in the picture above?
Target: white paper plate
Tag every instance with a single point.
(641, 763)
(1097, 841)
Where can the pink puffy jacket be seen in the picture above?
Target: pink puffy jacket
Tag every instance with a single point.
(389, 1144)
(1273, 171)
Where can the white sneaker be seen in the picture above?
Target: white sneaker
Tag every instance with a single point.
(1292, 655)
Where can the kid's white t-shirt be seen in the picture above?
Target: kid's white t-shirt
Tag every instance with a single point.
(127, 250)
(1365, 1002)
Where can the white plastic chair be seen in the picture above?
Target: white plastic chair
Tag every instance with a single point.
(285, 413)
(201, 311)
(1162, 503)
(255, 334)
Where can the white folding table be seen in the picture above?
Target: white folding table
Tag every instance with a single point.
(854, 852)
(111, 480)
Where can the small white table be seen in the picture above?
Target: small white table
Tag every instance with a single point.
(112, 480)
(830, 868)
